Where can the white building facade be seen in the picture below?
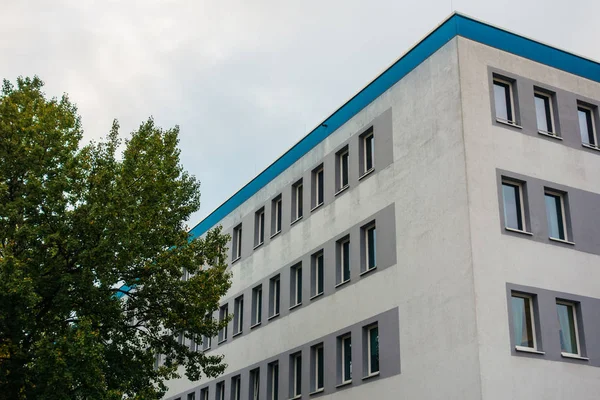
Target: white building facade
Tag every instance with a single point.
(437, 237)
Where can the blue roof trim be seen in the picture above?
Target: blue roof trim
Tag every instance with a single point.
(455, 25)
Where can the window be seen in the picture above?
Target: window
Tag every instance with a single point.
(276, 215)
(237, 242)
(223, 316)
(343, 260)
(274, 296)
(372, 350)
(544, 112)
(206, 342)
(523, 321)
(317, 368)
(257, 305)
(259, 230)
(514, 208)
(297, 202)
(555, 212)
(204, 394)
(342, 166)
(504, 101)
(317, 186)
(296, 285)
(369, 247)
(273, 384)
(368, 152)
(296, 375)
(569, 335)
(254, 384)
(238, 320)
(317, 274)
(587, 126)
(220, 391)
(236, 388)
(191, 396)
(345, 358)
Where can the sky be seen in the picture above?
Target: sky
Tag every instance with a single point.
(244, 80)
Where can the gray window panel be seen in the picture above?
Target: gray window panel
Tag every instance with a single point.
(317, 274)
(511, 195)
(254, 384)
(371, 247)
(204, 394)
(223, 315)
(562, 321)
(389, 361)
(257, 305)
(238, 317)
(344, 169)
(373, 350)
(236, 388)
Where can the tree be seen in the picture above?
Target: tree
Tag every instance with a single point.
(78, 226)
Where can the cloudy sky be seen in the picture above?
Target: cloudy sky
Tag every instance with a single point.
(244, 80)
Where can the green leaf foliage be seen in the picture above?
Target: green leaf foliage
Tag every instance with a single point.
(77, 223)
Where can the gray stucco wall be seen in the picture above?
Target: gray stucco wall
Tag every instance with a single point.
(547, 326)
(386, 257)
(582, 211)
(382, 131)
(389, 362)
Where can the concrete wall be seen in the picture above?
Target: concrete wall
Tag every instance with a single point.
(500, 258)
(420, 171)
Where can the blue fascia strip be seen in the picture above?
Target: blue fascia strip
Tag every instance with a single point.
(455, 25)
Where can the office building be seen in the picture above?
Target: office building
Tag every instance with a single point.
(436, 237)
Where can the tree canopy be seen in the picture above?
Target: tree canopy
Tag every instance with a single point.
(77, 222)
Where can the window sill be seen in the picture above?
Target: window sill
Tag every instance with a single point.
(275, 234)
(296, 306)
(255, 325)
(342, 190)
(518, 231)
(237, 334)
(316, 207)
(342, 283)
(235, 260)
(273, 317)
(574, 356)
(529, 350)
(373, 375)
(316, 296)
(299, 396)
(561, 241)
(317, 391)
(344, 384)
(590, 146)
(368, 270)
(509, 123)
(549, 134)
(369, 172)
(258, 245)
(222, 341)
(296, 220)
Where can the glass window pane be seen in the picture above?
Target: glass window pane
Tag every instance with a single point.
(554, 215)
(372, 247)
(320, 274)
(374, 348)
(275, 394)
(512, 206)
(344, 169)
(346, 260)
(299, 201)
(541, 113)
(298, 383)
(500, 96)
(522, 322)
(347, 358)
(320, 367)
(369, 152)
(568, 335)
(299, 285)
(586, 127)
